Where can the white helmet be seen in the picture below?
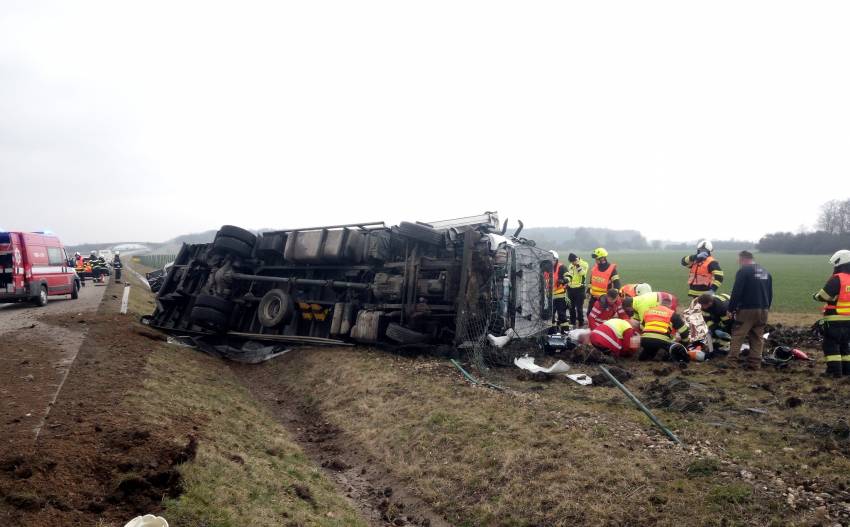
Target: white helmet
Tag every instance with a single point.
(117, 253)
(705, 244)
(642, 289)
(555, 254)
(840, 258)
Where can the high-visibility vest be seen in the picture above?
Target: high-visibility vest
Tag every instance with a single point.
(600, 280)
(619, 326)
(700, 275)
(643, 302)
(558, 290)
(659, 320)
(629, 290)
(841, 306)
(578, 270)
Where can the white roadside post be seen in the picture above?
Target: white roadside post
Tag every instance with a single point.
(125, 300)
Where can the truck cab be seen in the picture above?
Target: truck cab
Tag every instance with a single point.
(34, 266)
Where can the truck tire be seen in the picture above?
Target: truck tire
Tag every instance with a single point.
(209, 317)
(230, 231)
(276, 308)
(75, 290)
(233, 246)
(421, 233)
(402, 335)
(216, 303)
(41, 299)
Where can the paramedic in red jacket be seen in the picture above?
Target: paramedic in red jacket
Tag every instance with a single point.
(617, 336)
(609, 306)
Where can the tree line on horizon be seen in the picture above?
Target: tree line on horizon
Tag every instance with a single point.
(832, 234)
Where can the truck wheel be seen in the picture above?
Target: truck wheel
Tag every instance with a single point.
(276, 307)
(209, 317)
(402, 335)
(230, 231)
(75, 290)
(421, 233)
(232, 246)
(216, 303)
(41, 299)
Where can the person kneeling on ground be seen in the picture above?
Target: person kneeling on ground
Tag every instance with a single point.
(659, 326)
(633, 290)
(715, 311)
(645, 301)
(617, 336)
(609, 306)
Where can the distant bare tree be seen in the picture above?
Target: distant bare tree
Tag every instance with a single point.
(835, 216)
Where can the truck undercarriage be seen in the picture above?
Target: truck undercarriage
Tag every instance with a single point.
(448, 282)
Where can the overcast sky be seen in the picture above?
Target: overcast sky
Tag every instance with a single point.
(146, 120)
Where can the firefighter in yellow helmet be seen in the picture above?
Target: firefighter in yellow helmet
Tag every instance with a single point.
(603, 276)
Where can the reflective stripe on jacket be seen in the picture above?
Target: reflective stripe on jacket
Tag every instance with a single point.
(601, 280)
(839, 309)
(658, 320)
(578, 272)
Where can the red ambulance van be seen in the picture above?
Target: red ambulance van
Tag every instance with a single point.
(33, 266)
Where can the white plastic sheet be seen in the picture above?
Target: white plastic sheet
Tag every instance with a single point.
(527, 363)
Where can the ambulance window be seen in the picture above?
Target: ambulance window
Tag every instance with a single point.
(54, 256)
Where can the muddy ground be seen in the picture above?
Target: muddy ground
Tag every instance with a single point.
(89, 461)
(408, 441)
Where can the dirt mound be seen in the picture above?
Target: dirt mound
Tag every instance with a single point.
(681, 395)
(794, 336)
(620, 374)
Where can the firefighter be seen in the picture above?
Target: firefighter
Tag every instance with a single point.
(660, 326)
(98, 266)
(617, 336)
(633, 290)
(715, 311)
(559, 293)
(835, 324)
(603, 276)
(705, 274)
(116, 264)
(577, 272)
(78, 260)
(609, 306)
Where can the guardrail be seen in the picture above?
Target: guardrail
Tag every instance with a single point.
(154, 260)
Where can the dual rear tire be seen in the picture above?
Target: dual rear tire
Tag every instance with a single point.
(235, 241)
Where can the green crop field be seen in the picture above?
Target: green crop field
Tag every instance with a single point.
(795, 277)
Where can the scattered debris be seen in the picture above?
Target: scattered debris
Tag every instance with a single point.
(527, 363)
(580, 378)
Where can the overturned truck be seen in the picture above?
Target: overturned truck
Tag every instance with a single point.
(441, 283)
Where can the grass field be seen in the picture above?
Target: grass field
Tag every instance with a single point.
(795, 277)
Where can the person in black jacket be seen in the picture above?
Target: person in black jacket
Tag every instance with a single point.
(749, 305)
